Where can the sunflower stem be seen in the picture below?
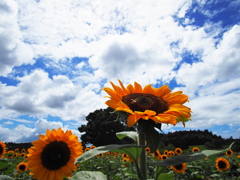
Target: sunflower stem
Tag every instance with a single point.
(143, 158)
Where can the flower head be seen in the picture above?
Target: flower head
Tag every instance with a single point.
(180, 168)
(178, 151)
(2, 149)
(222, 164)
(157, 104)
(195, 149)
(53, 156)
(229, 152)
(22, 166)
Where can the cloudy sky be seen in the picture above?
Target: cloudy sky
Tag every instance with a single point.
(56, 55)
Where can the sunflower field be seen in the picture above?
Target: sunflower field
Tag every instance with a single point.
(59, 155)
(118, 166)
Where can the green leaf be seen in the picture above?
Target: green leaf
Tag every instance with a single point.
(189, 157)
(133, 152)
(131, 134)
(89, 175)
(166, 176)
(151, 135)
(103, 149)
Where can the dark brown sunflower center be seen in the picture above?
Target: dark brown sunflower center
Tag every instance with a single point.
(55, 155)
(22, 167)
(178, 151)
(222, 164)
(142, 102)
(178, 167)
(1, 149)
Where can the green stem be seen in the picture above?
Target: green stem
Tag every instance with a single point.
(143, 157)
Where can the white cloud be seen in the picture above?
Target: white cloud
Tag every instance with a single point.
(22, 133)
(38, 95)
(128, 40)
(220, 64)
(13, 52)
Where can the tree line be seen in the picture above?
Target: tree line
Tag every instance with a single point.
(103, 124)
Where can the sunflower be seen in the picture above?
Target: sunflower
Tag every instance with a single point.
(147, 149)
(171, 153)
(22, 166)
(178, 151)
(2, 149)
(165, 152)
(157, 104)
(222, 164)
(53, 156)
(157, 155)
(164, 156)
(180, 168)
(229, 152)
(195, 149)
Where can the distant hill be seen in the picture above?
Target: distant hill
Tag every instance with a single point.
(183, 139)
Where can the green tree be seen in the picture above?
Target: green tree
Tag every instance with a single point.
(102, 126)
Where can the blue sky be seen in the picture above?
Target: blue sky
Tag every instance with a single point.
(55, 56)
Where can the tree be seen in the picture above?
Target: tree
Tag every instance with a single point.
(102, 127)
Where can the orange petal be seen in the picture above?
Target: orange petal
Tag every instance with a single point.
(126, 91)
(112, 93)
(132, 119)
(131, 88)
(148, 89)
(118, 90)
(138, 87)
(162, 91)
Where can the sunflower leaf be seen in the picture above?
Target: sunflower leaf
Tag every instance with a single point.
(103, 149)
(131, 134)
(87, 175)
(189, 157)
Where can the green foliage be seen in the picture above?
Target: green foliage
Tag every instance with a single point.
(131, 134)
(8, 169)
(102, 126)
(132, 149)
(189, 157)
(87, 175)
(151, 135)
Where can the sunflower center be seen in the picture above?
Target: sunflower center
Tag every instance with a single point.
(222, 164)
(178, 167)
(22, 167)
(55, 155)
(142, 102)
(1, 149)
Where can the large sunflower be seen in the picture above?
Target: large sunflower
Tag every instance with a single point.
(222, 164)
(157, 104)
(53, 156)
(2, 149)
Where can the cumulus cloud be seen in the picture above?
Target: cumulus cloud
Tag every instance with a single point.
(221, 64)
(38, 95)
(13, 52)
(117, 41)
(22, 133)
